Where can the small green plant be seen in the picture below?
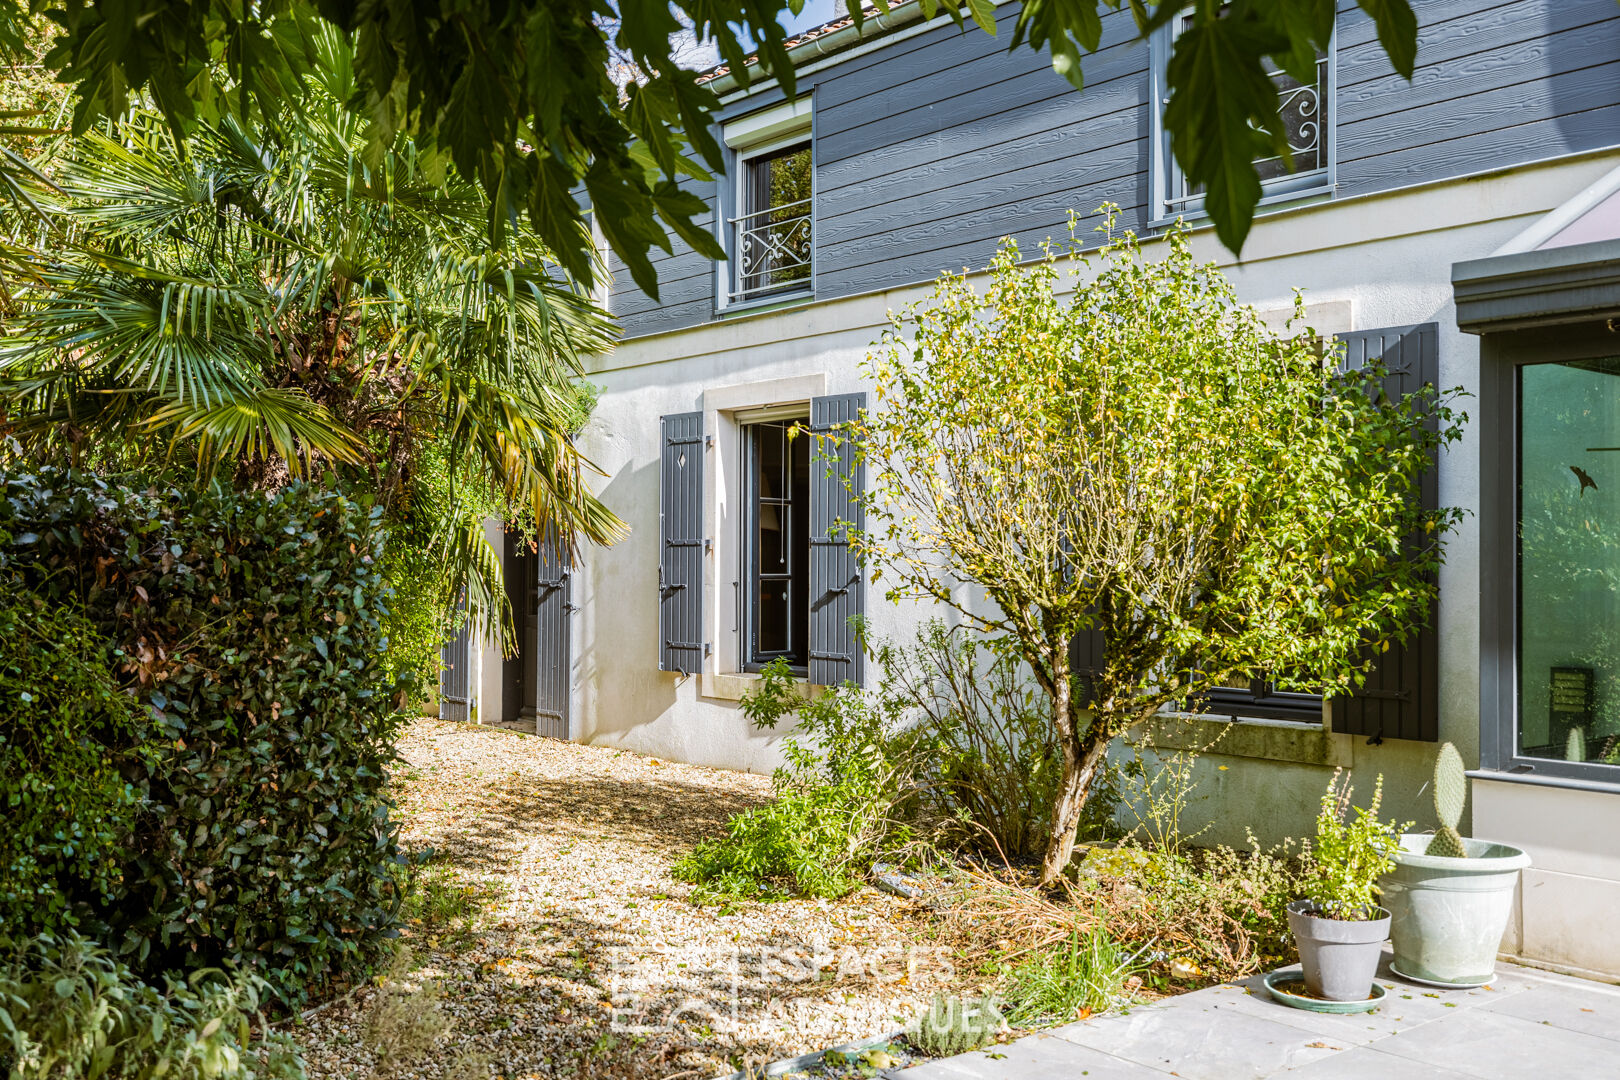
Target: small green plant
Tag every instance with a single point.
(954, 1025)
(1155, 792)
(1450, 796)
(69, 1009)
(1351, 853)
(437, 899)
(1085, 975)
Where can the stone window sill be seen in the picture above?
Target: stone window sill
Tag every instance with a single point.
(1263, 740)
(732, 685)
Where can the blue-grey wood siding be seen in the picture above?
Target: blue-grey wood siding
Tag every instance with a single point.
(931, 149)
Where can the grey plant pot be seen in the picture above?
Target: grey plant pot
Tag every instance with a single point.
(1449, 914)
(1337, 957)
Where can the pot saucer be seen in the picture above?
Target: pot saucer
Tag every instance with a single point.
(1275, 979)
(1398, 973)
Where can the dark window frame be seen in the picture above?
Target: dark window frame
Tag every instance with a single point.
(753, 659)
(1502, 355)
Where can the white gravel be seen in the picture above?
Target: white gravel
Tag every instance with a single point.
(586, 958)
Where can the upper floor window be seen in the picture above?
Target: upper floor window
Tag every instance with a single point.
(773, 233)
(1308, 114)
(770, 220)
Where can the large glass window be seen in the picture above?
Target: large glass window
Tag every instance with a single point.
(1569, 561)
(776, 601)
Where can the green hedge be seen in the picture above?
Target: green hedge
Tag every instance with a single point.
(248, 624)
(67, 806)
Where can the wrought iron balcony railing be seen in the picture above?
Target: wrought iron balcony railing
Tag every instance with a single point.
(772, 250)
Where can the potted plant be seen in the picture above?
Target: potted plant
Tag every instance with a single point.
(1340, 928)
(1449, 896)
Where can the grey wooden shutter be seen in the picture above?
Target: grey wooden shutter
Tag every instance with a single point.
(455, 675)
(680, 564)
(837, 589)
(553, 655)
(1401, 698)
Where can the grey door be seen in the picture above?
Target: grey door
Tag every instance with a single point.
(550, 639)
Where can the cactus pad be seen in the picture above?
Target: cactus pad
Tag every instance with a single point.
(1447, 843)
(1450, 787)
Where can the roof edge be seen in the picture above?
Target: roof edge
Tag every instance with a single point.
(824, 40)
(1543, 287)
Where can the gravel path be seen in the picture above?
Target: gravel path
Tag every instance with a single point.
(583, 957)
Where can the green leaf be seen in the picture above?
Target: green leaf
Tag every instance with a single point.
(1397, 32)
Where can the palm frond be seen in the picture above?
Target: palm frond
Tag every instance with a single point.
(258, 423)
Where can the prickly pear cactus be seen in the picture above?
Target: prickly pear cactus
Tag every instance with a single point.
(1575, 747)
(1448, 843)
(1450, 796)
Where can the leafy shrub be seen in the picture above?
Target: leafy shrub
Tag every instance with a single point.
(990, 762)
(248, 625)
(68, 1009)
(950, 752)
(67, 807)
(1084, 975)
(836, 800)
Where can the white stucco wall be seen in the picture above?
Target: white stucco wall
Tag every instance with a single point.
(1363, 263)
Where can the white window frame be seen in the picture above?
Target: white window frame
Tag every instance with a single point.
(747, 138)
(1169, 183)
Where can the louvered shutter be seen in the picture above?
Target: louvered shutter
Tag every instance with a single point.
(1086, 660)
(553, 655)
(680, 564)
(1401, 697)
(455, 676)
(837, 591)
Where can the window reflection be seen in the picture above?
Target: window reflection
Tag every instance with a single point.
(1569, 561)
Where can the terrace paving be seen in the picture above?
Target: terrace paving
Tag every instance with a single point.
(1526, 1023)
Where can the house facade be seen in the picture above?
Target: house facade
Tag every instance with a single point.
(1462, 227)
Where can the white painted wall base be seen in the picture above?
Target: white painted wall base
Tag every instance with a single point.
(1564, 916)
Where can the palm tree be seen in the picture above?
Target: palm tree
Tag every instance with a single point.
(296, 300)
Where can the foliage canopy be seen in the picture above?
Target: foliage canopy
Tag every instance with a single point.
(293, 299)
(521, 97)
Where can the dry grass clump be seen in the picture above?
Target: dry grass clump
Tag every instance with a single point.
(1203, 915)
(405, 1024)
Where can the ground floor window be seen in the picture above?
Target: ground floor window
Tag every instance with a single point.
(1569, 561)
(776, 544)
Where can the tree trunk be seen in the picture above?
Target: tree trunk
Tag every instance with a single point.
(1081, 760)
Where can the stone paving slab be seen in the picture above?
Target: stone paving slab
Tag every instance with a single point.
(1034, 1057)
(1201, 1042)
(1528, 1023)
(1493, 1046)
